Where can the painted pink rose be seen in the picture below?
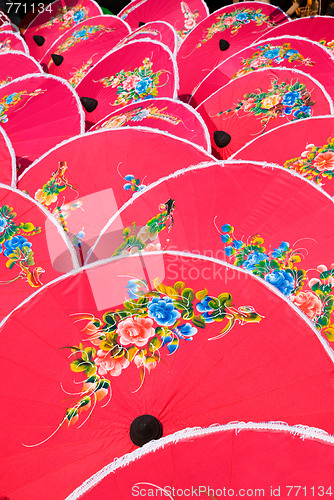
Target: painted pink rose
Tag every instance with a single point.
(189, 23)
(130, 82)
(324, 161)
(228, 21)
(247, 105)
(144, 363)
(270, 102)
(135, 331)
(308, 303)
(259, 61)
(106, 364)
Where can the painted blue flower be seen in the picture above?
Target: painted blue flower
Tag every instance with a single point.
(163, 311)
(290, 98)
(288, 111)
(205, 310)
(14, 243)
(253, 259)
(81, 34)
(140, 116)
(149, 96)
(242, 17)
(229, 251)
(278, 252)
(282, 280)
(303, 109)
(186, 331)
(132, 289)
(3, 224)
(10, 98)
(290, 53)
(143, 85)
(78, 16)
(237, 243)
(271, 54)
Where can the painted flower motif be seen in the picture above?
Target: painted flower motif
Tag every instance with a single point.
(17, 242)
(78, 16)
(118, 121)
(163, 311)
(278, 252)
(248, 104)
(143, 85)
(151, 247)
(324, 161)
(227, 22)
(10, 98)
(44, 197)
(135, 331)
(133, 184)
(80, 34)
(144, 113)
(290, 53)
(282, 280)
(133, 289)
(142, 361)
(303, 110)
(290, 98)
(205, 310)
(145, 234)
(189, 23)
(130, 82)
(3, 224)
(270, 102)
(259, 61)
(242, 17)
(185, 331)
(309, 303)
(253, 259)
(106, 364)
(271, 54)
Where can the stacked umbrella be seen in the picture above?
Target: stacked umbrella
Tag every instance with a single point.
(166, 252)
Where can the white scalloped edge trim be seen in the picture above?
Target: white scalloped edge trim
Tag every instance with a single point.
(12, 155)
(20, 38)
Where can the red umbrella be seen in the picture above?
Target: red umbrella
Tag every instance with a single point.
(7, 160)
(287, 52)
(53, 20)
(97, 346)
(220, 35)
(85, 180)
(37, 112)
(138, 70)
(12, 41)
(261, 460)
(82, 46)
(4, 19)
(257, 102)
(160, 31)
(9, 27)
(280, 220)
(183, 16)
(14, 64)
(165, 114)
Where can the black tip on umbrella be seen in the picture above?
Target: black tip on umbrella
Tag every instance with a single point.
(223, 44)
(39, 40)
(145, 428)
(221, 138)
(140, 24)
(89, 103)
(57, 59)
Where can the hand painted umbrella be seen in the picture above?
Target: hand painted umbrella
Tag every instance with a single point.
(261, 460)
(255, 103)
(138, 70)
(7, 160)
(37, 112)
(12, 41)
(54, 20)
(222, 349)
(34, 248)
(160, 31)
(287, 52)
(317, 28)
(81, 47)
(261, 217)
(183, 16)
(165, 114)
(220, 35)
(14, 64)
(305, 147)
(85, 180)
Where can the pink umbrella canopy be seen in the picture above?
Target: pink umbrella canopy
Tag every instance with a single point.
(53, 21)
(183, 16)
(34, 249)
(80, 381)
(138, 70)
(7, 160)
(85, 180)
(160, 31)
(14, 64)
(12, 41)
(260, 101)
(9, 27)
(37, 112)
(166, 114)
(287, 52)
(305, 147)
(317, 28)
(220, 35)
(261, 217)
(4, 19)
(241, 459)
(81, 47)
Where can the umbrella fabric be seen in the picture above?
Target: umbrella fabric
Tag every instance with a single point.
(183, 16)
(51, 23)
(253, 358)
(287, 52)
(81, 47)
(220, 35)
(260, 460)
(261, 217)
(37, 112)
(257, 102)
(4, 19)
(9, 27)
(317, 28)
(12, 41)
(34, 249)
(138, 70)
(102, 170)
(160, 31)
(166, 114)
(305, 147)
(7, 160)
(14, 64)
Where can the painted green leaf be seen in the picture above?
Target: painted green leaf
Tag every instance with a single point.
(198, 321)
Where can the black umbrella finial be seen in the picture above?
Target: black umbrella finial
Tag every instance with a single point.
(221, 138)
(89, 103)
(39, 40)
(57, 59)
(140, 24)
(144, 429)
(223, 44)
